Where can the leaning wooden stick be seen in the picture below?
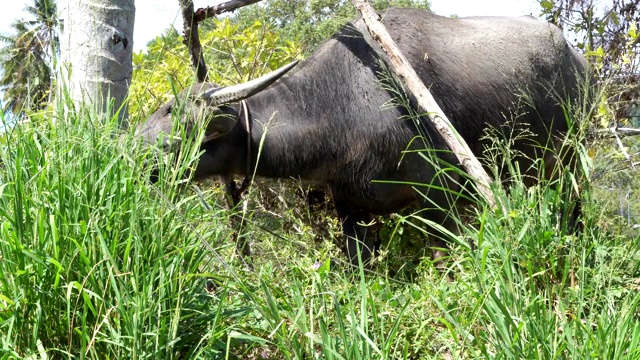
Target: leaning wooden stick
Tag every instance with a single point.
(403, 69)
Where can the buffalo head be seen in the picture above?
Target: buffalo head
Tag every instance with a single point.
(204, 106)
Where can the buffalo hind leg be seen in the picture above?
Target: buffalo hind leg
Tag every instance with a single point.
(438, 241)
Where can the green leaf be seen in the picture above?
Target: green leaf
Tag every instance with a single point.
(547, 5)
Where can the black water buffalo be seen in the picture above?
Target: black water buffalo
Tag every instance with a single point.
(332, 121)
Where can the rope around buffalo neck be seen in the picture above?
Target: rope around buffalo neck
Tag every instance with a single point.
(234, 192)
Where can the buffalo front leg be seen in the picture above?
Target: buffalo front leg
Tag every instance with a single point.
(234, 193)
(359, 241)
(358, 237)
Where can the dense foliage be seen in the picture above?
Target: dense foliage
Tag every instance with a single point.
(310, 22)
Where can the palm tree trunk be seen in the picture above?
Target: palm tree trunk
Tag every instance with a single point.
(97, 49)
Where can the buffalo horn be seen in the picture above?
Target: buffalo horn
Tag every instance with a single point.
(242, 91)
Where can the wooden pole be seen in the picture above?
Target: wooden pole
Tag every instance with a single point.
(405, 72)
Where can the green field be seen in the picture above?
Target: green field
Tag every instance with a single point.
(97, 262)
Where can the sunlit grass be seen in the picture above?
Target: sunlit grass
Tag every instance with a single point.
(97, 262)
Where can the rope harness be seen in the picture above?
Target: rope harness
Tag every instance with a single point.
(233, 190)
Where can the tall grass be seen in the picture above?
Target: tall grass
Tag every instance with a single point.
(536, 291)
(535, 287)
(97, 262)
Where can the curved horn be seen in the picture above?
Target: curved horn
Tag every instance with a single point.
(242, 91)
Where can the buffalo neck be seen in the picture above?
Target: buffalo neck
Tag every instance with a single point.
(327, 119)
(289, 137)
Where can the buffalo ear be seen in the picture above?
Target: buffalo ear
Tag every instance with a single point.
(219, 126)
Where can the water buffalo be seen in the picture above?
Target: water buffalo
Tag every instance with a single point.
(332, 120)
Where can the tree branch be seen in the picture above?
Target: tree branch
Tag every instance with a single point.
(228, 6)
(192, 39)
(405, 72)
